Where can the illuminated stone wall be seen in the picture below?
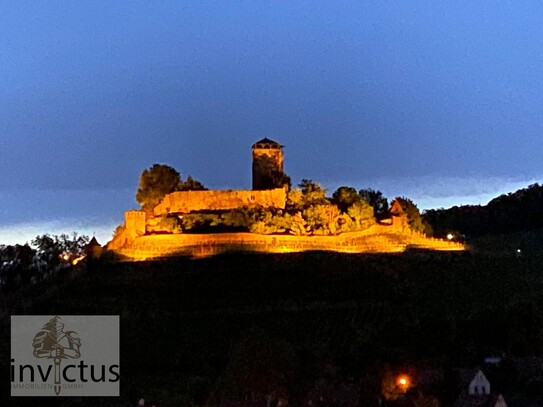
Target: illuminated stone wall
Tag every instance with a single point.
(134, 222)
(376, 239)
(188, 201)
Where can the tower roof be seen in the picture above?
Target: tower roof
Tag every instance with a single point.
(93, 242)
(267, 143)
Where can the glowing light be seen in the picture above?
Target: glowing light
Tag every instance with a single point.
(403, 382)
(450, 236)
(65, 257)
(75, 261)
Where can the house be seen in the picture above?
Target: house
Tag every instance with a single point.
(477, 392)
(479, 385)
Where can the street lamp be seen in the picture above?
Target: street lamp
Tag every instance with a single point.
(403, 382)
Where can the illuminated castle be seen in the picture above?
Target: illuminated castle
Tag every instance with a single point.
(269, 191)
(151, 234)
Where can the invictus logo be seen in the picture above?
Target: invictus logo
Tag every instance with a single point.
(53, 343)
(54, 360)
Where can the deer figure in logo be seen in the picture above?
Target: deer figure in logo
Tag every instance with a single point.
(52, 342)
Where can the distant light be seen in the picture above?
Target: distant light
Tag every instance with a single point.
(65, 257)
(519, 251)
(403, 382)
(450, 236)
(75, 261)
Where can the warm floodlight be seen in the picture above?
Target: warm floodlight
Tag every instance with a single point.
(403, 382)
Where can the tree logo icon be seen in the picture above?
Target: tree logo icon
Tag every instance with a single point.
(52, 342)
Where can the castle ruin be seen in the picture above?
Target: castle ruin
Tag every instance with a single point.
(142, 236)
(269, 191)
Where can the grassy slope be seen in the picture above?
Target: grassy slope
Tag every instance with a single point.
(179, 319)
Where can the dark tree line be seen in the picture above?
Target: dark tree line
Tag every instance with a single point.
(20, 264)
(517, 211)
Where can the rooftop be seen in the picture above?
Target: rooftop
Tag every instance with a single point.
(267, 143)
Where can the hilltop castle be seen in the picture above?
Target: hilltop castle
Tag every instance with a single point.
(269, 190)
(156, 233)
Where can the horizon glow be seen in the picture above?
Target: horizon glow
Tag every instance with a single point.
(105, 209)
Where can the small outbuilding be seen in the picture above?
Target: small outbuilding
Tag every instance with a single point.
(93, 249)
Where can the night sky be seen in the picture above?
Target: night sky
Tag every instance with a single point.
(442, 103)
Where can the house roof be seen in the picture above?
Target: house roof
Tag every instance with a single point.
(267, 143)
(93, 242)
(396, 209)
(466, 375)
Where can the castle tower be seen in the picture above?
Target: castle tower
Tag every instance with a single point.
(267, 165)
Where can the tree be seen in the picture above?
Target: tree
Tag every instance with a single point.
(295, 200)
(51, 248)
(376, 200)
(414, 220)
(312, 193)
(344, 197)
(272, 222)
(323, 219)
(74, 246)
(299, 226)
(192, 185)
(155, 183)
(362, 215)
(48, 248)
(242, 217)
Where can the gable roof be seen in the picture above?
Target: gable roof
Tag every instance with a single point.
(479, 384)
(396, 209)
(266, 143)
(93, 242)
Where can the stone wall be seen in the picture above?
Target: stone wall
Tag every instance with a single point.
(376, 239)
(189, 201)
(134, 222)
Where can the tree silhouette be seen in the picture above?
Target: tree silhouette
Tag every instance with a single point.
(312, 193)
(362, 214)
(192, 185)
(160, 180)
(520, 210)
(414, 219)
(344, 197)
(376, 200)
(155, 183)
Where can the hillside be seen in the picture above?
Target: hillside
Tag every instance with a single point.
(517, 211)
(377, 238)
(346, 318)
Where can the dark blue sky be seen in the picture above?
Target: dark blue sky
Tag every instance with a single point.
(91, 93)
